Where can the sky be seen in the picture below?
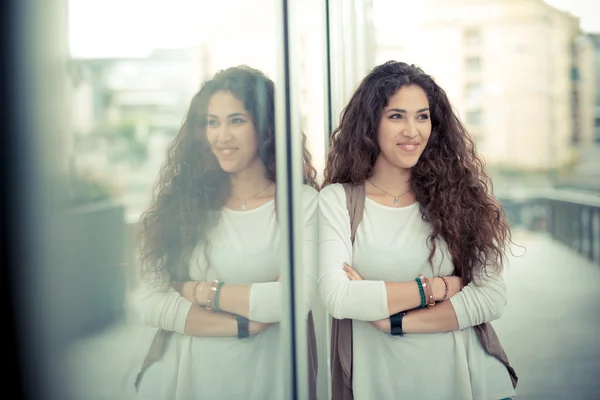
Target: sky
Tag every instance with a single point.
(587, 10)
(132, 28)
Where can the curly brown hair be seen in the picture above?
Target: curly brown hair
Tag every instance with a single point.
(450, 181)
(192, 187)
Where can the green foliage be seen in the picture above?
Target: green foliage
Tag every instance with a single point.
(85, 189)
(124, 131)
(126, 146)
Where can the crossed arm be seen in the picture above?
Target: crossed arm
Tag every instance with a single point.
(346, 295)
(261, 302)
(180, 307)
(162, 306)
(423, 320)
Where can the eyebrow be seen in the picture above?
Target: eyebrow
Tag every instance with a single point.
(229, 116)
(399, 110)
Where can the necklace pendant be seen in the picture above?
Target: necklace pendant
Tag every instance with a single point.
(395, 202)
(243, 206)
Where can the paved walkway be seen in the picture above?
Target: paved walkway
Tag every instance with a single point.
(550, 330)
(551, 326)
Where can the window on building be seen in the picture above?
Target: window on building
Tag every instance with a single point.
(473, 65)
(474, 94)
(574, 74)
(474, 117)
(472, 37)
(479, 140)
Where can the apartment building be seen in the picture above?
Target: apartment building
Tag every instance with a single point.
(596, 41)
(519, 73)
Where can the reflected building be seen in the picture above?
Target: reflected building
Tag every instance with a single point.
(152, 93)
(124, 114)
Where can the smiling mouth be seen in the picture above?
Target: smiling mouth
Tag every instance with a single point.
(227, 151)
(408, 146)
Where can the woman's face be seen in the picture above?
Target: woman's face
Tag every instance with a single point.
(405, 127)
(230, 132)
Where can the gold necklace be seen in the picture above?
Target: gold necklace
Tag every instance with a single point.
(396, 201)
(244, 202)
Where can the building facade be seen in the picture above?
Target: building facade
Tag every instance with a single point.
(519, 73)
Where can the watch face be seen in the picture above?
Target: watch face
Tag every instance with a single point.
(397, 331)
(396, 324)
(242, 324)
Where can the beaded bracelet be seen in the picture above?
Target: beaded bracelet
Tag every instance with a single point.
(422, 292)
(217, 293)
(210, 304)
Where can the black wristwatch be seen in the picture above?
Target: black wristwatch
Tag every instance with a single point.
(242, 324)
(396, 324)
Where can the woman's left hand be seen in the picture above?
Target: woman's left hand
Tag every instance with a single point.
(194, 291)
(351, 273)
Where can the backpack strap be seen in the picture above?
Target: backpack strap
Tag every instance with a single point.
(341, 329)
(355, 203)
(491, 344)
(155, 353)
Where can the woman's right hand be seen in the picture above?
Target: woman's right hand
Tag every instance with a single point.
(257, 327)
(455, 285)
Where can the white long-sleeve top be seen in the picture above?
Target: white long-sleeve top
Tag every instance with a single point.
(391, 246)
(245, 248)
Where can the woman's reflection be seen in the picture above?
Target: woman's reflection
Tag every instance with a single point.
(211, 252)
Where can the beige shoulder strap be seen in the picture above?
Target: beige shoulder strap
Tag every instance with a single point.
(355, 203)
(341, 329)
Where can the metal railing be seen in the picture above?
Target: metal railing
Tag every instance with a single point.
(571, 218)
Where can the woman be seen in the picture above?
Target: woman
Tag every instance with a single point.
(211, 249)
(425, 266)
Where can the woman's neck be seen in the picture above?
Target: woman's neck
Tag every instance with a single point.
(390, 178)
(247, 182)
